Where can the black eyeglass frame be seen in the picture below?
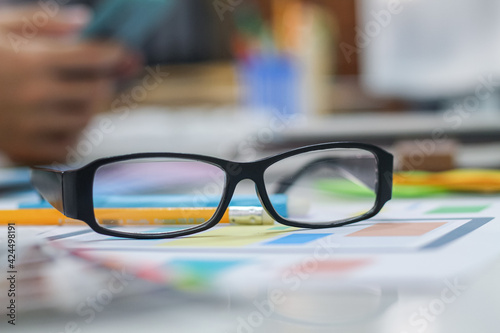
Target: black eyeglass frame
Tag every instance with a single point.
(71, 191)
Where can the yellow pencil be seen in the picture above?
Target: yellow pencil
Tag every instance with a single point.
(137, 216)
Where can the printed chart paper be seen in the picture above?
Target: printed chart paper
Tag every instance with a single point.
(410, 242)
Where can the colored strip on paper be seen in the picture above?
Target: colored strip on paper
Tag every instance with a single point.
(458, 232)
(458, 209)
(228, 236)
(282, 227)
(397, 229)
(203, 268)
(332, 266)
(71, 234)
(191, 273)
(296, 239)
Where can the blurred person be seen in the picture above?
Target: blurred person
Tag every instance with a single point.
(52, 83)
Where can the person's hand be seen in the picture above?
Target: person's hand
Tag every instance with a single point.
(51, 84)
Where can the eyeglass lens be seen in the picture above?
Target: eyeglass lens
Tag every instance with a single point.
(325, 186)
(156, 195)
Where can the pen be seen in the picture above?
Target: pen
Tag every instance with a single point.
(138, 216)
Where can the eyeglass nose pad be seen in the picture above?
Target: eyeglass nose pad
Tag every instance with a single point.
(258, 192)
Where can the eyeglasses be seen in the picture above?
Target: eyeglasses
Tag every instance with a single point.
(165, 195)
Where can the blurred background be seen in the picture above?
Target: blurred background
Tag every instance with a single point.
(241, 79)
(256, 76)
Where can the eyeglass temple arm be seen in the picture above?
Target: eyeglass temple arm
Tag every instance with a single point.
(48, 183)
(287, 182)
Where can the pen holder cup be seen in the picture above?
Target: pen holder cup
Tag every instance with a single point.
(270, 83)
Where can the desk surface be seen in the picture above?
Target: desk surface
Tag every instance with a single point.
(422, 265)
(426, 265)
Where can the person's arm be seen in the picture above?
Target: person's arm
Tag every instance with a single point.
(51, 84)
